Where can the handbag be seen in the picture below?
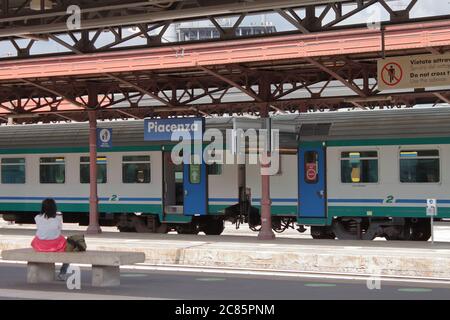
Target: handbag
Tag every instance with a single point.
(76, 243)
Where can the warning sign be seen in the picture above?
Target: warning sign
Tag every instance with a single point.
(392, 74)
(411, 72)
(311, 171)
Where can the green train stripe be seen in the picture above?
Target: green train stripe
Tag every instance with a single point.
(84, 207)
(377, 211)
(388, 142)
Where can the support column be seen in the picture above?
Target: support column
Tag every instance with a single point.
(266, 232)
(94, 226)
(40, 272)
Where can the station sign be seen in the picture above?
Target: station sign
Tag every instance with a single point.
(412, 72)
(163, 129)
(104, 137)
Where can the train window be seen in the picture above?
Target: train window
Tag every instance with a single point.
(419, 166)
(311, 167)
(195, 173)
(52, 170)
(359, 167)
(85, 170)
(214, 169)
(13, 170)
(136, 169)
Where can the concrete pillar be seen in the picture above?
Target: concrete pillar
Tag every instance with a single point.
(40, 272)
(105, 276)
(94, 226)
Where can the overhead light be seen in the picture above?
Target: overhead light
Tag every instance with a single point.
(36, 5)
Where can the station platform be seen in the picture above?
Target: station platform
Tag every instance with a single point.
(241, 250)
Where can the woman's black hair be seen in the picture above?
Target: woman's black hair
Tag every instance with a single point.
(49, 208)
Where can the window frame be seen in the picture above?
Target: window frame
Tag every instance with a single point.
(88, 163)
(220, 166)
(190, 173)
(421, 148)
(377, 150)
(149, 162)
(13, 164)
(52, 164)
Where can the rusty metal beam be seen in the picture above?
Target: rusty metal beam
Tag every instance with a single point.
(65, 117)
(346, 83)
(140, 89)
(55, 92)
(442, 97)
(250, 93)
(128, 114)
(152, 17)
(282, 48)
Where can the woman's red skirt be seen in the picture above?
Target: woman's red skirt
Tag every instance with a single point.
(56, 245)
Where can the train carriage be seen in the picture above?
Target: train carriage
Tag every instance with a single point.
(376, 171)
(348, 175)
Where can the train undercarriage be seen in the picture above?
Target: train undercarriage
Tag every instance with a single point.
(342, 228)
(358, 228)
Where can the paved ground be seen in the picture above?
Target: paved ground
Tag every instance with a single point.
(172, 281)
(195, 285)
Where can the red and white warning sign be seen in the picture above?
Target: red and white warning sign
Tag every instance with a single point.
(392, 74)
(414, 72)
(311, 171)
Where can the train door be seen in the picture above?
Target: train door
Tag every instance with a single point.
(173, 186)
(195, 188)
(312, 184)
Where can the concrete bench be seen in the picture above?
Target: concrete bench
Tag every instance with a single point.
(105, 264)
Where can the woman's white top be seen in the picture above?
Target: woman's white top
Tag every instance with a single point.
(48, 229)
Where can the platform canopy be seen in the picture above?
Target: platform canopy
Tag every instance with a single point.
(34, 17)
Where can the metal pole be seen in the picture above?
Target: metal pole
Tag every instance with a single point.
(432, 230)
(266, 232)
(94, 226)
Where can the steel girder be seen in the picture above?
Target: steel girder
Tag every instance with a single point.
(104, 23)
(297, 86)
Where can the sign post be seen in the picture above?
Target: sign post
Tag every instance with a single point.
(432, 212)
(416, 71)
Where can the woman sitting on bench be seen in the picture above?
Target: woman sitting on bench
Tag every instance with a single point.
(48, 234)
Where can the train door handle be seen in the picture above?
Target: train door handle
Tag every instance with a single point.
(321, 194)
(185, 192)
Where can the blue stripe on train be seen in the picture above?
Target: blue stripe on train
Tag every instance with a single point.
(356, 200)
(421, 201)
(277, 200)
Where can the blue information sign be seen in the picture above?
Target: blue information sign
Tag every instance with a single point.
(162, 129)
(104, 137)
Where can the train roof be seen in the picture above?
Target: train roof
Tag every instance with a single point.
(388, 124)
(402, 123)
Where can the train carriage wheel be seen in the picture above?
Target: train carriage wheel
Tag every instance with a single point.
(322, 233)
(214, 228)
(421, 230)
(188, 228)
